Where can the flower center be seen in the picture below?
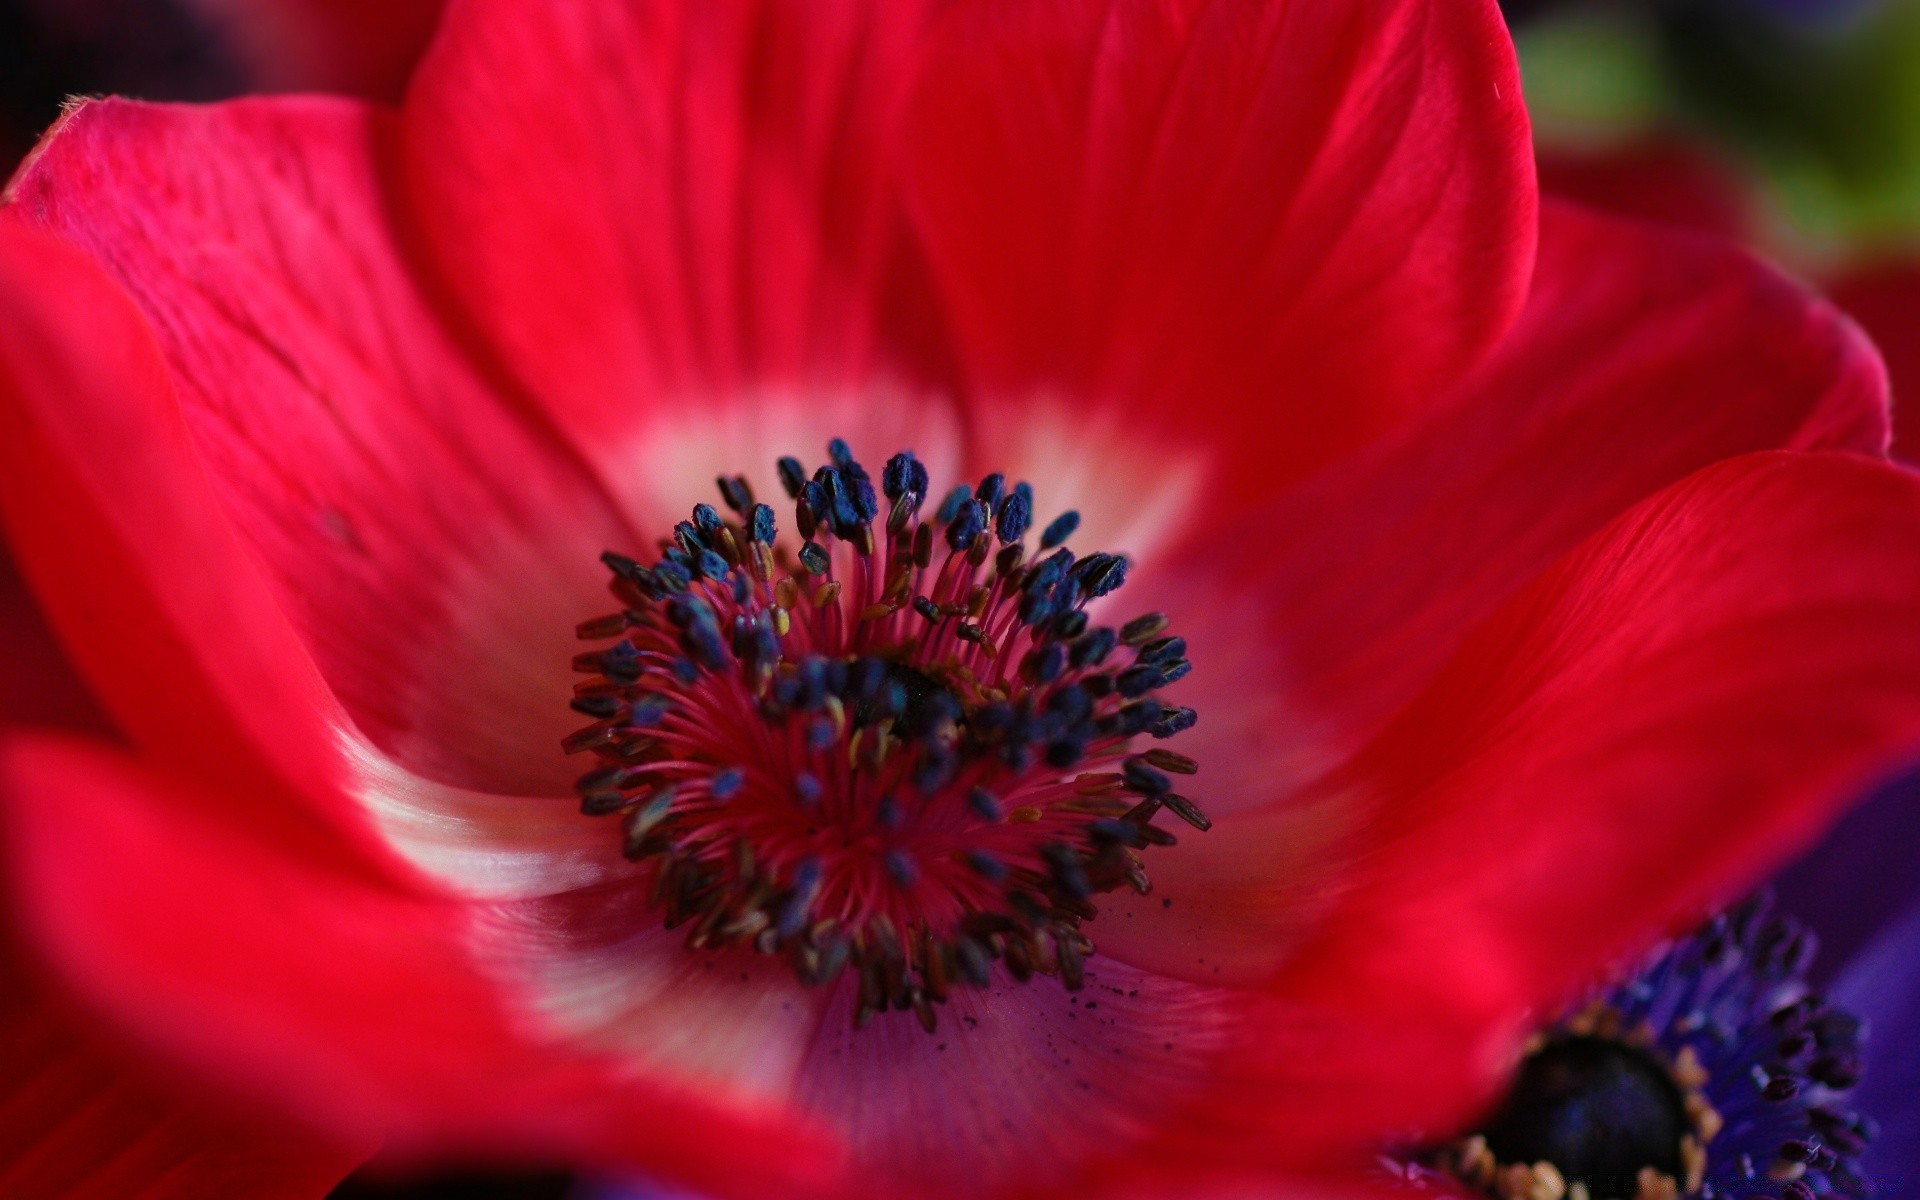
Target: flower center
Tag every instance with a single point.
(1710, 1073)
(1596, 1112)
(1600, 1110)
(900, 747)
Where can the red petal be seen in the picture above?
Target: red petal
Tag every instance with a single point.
(1885, 298)
(670, 209)
(1316, 620)
(355, 1004)
(1642, 356)
(83, 1119)
(1673, 180)
(364, 47)
(1632, 741)
(1262, 231)
(343, 433)
(91, 491)
(38, 685)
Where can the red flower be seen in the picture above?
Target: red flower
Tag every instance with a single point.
(1534, 600)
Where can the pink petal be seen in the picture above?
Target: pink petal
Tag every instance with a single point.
(1023, 1088)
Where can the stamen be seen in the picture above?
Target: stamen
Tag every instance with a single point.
(898, 746)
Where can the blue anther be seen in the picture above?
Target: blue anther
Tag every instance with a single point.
(819, 733)
(1052, 661)
(1035, 606)
(1162, 649)
(1175, 671)
(685, 670)
(736, 493)
(984, 804)
(620, 662)
(866, 677)
(761, 525)
(839, 508)
(1092, 648)
(727, 782)
(1111, 829)
(1109, 577)
(672, 577)
(621, 565)
(991, 490)
(685, 610)
(649, 710)
(1137, 717)
(986, 865)
(702, 641)
(812, 678)
(971, 522)
(813, 494)
(1177, 721)
(866, 506)
(793, 476)
(814, 558)
(709, 565)
(1071, 704)
(1143, 778)
(1050, 570)
(896, 478)
(927, 609)
(1138, 681)
(1065, 751)
(956, 500)
(839, 452)
(901, 868)
(1061, 529)
(766, 643)
(806, 789)
(689, 537)
(889, 813)
(707, 519)
(798, 905)
(1015, 517)
(1066, 594)
(1069, 625)
(598, 707)
(742, 588)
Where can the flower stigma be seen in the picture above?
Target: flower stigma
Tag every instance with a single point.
(1711, 1074)
(900, 747)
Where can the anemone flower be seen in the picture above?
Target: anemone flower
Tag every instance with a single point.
(981, 446)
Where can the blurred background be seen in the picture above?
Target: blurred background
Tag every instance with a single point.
(1791, 125)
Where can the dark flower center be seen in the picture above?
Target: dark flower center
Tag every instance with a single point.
(1710, 1073)
(900, 747)
(1598, 1109)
